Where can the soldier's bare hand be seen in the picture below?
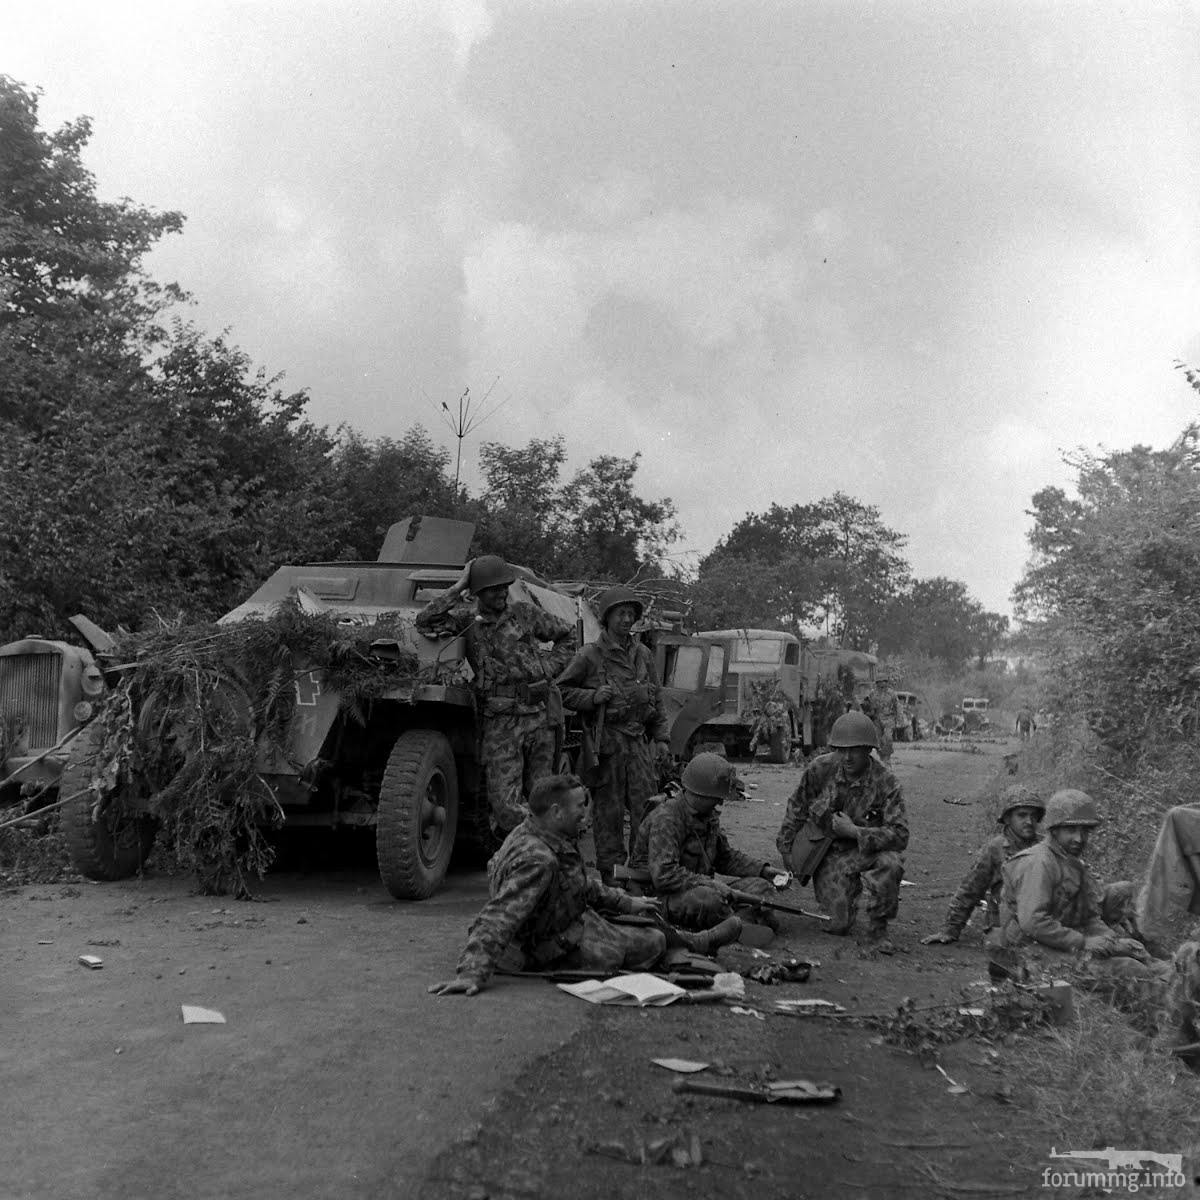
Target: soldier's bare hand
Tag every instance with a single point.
(843, 826)
(602, 695)
(938, 939)
(468, 987)
(1101, 945)
(644, 906)
(463, 582)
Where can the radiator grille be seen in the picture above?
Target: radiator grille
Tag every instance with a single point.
(29, 690)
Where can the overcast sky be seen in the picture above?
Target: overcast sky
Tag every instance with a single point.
(909, 251)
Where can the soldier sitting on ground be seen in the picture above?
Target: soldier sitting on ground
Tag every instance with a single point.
(544, 904)
(1052, 908)
(681, 849)
(845, 828)
(1018, 812)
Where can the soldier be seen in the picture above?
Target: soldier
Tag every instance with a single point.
(1026, 725)
(885, 711)
(615, 678)
(681, 848)
(1051, 906)
(845, 829)
(1018, 812)
(543, 902)
(512, 683)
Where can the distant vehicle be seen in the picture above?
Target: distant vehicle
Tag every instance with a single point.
(800, 673)
(975, 712)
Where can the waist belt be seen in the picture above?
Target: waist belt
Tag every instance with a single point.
(527, 693)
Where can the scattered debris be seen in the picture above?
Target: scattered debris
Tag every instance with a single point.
(681, 1065)
(193, 1014)
(729, 985)
(787, 970)
(954, 800)
(747, 1012)
(91, 962)
(808, 1008)
(907, 883)
(677, 1150)
(782, 1091)
(955, 1088)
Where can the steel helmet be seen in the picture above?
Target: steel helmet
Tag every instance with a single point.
(1017, 795)
(853, 729)
(1070, 806)
(490, 570)
(618, 595)
(709, 775)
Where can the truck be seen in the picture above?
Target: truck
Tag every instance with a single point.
(813, 681)
(408, 766)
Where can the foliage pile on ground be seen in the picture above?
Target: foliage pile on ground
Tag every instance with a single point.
(33, 852)
(181, 731)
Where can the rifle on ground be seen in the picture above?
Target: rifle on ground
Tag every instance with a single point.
(749, 898)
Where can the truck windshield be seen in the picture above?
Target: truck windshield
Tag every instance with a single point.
(685, 670)
(760, 651)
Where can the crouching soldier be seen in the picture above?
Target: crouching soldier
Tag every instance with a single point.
(1051, 906)
(681, 849)
(845, 828)
(546, 908)
(1018, 812)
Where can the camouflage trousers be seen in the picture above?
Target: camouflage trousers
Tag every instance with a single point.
(702, 907)
(845, 873)
(515, 751)
(630, 780)
(884, 733)
(607, 946)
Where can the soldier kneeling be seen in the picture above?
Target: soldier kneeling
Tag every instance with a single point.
(681, 848)
(544, 904)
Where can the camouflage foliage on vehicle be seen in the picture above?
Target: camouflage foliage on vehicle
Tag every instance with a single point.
(183, 726)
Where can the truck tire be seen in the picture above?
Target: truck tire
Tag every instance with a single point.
(417, 815)
(778, 748)
(111, 846)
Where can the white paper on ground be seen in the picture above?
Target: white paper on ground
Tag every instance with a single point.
(634, 990)
(682, 1065)
(194, 1015)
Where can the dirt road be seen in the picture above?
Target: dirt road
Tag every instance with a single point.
(337, 1075)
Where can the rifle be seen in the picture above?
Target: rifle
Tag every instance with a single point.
(754, 901)
(683, 979)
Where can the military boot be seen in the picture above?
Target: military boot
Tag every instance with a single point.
(876, 940)
(711, 940)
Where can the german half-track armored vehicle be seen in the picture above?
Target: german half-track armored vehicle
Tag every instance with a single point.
(409, 767)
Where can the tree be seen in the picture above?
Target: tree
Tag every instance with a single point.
(1112, 591)
(845, 563)
(939, 619)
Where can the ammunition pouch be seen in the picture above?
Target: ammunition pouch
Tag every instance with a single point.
(809, 850)
(537, 692)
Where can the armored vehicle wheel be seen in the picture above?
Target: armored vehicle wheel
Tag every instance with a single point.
(778, 748)
(111, 845)
(417, 816)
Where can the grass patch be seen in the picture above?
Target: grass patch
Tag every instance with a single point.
(1100, 1083)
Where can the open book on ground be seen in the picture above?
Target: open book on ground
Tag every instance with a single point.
(635, 991)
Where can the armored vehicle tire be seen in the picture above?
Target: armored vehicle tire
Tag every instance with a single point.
(111, 846)
(778, 748)
(417, 816)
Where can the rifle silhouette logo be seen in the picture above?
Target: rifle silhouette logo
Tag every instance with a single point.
(1126, 1158)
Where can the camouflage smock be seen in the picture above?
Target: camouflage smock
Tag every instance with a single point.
(683, 850)
(873, 801)
(983, 879)
(636, 707)
(886, 705)
(502, 649)
(1049, 898)
(539, 891)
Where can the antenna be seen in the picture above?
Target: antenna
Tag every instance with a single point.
(467, 421)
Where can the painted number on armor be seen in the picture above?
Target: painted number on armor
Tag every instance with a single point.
(308, 688)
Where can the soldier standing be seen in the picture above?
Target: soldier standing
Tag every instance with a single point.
(613, 681)
(512, 683)
(1051, 906)
(681, 848)
(885, 710)
(1018, 812)
(544, 904)
(845, 828)
(1026, 725)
